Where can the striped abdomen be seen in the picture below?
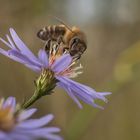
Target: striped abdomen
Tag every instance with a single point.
(51, 32)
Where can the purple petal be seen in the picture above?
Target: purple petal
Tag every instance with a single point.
(46, 133)
(11, 43)
(17, 136)
(87, 100)
(16, 56)
(83, 92)
(3, 136)
(88, 94)
(40, 132)
(6, 43)
(23, 58)
(42, 55)
(2, 51)
(22, 54)
(76, 88)
(34, 68)
(6, 53)
(68, 90)
(26, 114)
(23, 50)
(21, 46)
(35, 123)
(43, 130)
(11, 101)
(62, 63)
(84, 89)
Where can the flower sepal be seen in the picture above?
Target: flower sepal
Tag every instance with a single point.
(45, 83)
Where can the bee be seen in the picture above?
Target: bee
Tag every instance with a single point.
(74, 39)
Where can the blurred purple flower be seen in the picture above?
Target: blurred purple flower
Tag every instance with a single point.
(17, 125)
(61, 64)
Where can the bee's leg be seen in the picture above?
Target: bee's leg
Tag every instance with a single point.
(47, 46)
(65, 50)
(60, 40)
(77, 56)
(74, 51)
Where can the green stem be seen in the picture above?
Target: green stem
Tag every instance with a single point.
(44, 85)
(32, 100)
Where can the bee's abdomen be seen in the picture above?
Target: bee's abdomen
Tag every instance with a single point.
(42, 34)
(51, 32)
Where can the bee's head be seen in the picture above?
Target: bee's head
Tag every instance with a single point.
(77, 45)
(78, 42)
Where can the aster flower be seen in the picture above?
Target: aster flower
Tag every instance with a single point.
(56, 66)
(17, 125)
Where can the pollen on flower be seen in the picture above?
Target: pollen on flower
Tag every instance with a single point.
(56, 51)
(72, 71)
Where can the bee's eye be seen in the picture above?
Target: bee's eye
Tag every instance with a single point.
(75, 41)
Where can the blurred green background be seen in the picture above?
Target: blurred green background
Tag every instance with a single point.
(111, 63)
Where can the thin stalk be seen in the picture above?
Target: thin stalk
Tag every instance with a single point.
(32, 100)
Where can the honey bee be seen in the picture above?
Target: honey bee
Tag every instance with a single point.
(74, 39)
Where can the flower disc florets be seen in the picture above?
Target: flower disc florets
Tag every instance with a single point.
(7, 117)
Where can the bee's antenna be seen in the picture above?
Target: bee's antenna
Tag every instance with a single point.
(61, 22)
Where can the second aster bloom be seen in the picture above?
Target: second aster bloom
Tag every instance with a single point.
(17, 125)
(58, 65)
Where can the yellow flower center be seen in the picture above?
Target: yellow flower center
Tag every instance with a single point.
(7, 119)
